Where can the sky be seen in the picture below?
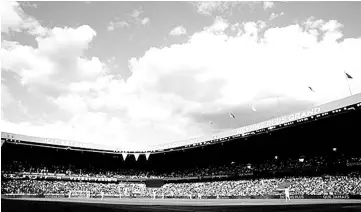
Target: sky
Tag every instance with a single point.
(136, 74)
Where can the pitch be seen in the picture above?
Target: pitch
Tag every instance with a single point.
(139, 204)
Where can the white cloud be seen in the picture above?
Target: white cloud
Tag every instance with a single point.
(210, 7)
(244, 63)
(145, 20)
(111, 27)
(6, 97)
(72, 103)
(206, 8)
(28, 4)
(79, 128)
(136, 13)
(118, 24)
(235, 27)
(8, 100)
(14, 19)
(58, 55)
(136, 17)
(210, 71)
(331, 25)
(331, 29)
(22, 108)
(313, 24)
(275, 15)
(11, 19)
(268, 5)
(218, 26)
(179, 30)
(249, 28)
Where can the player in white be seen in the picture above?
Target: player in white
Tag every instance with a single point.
(287, 194)
(102, 194)
(125, 192)
(154, 193)
(172, 194)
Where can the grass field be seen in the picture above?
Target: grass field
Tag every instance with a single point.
(137, 204)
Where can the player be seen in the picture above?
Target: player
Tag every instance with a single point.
(287, 194)
(125, 192)
(102, 194)
(172, 194)
(130, 193)
(153, 194)
(120, 192)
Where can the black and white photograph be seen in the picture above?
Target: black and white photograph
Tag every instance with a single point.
(180, 106)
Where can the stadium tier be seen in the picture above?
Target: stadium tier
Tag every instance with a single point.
(313, 155)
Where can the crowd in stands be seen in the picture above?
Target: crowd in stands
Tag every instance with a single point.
(18, 167)
(337, 184)
(211, 170)
(299, 186)
(55, 187)
(334, 185)
(277, 165)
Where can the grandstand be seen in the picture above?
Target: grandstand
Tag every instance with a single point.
(314, 152)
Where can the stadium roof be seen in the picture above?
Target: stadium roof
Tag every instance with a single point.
(268, 124)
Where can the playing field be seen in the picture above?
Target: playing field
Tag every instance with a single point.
(107, 205)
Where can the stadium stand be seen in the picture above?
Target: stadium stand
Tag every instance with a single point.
(316, 156)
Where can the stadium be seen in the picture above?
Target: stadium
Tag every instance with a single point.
(180, 106)
(314, 153)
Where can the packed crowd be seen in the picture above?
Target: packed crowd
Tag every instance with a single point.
(277, 165)
(298, 186)
(55, 187)
(334, 185)
(211, 170)
(17, 166)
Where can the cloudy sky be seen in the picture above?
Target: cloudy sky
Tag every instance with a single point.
(132, 74)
